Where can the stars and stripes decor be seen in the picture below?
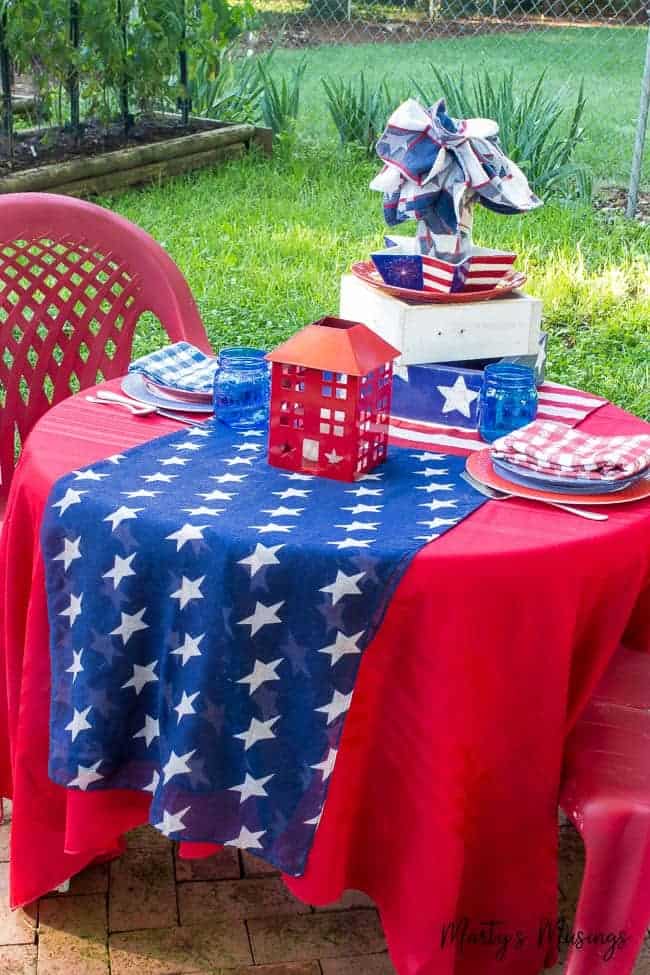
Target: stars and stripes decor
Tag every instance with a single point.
(443, 414)
(208, 614)
(436, 167)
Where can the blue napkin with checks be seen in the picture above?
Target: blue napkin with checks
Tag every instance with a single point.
(180, 366)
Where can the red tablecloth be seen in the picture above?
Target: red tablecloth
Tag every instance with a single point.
(443, 801)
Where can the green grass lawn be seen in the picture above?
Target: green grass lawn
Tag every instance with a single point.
(609, 59)
(263, 244)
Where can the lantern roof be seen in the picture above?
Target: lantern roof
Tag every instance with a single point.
(335, 345)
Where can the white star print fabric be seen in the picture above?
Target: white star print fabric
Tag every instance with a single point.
(208, 620)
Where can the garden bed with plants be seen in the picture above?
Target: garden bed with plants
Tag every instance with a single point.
(115, 91)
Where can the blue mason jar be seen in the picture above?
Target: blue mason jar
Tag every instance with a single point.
(242, 389)
(508, 399)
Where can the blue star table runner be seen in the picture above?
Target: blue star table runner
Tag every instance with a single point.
(208, 614)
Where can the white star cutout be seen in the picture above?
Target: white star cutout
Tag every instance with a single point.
(198, 432)
(271, 527)
(438, 522)
(150, 731)
(76, 667)
(189, 589)
(79, 722)
(333, 458)
(262, 616)
(370, 477)
(141, 493)
(203, 511)
(153, 785)
(227, 478)
(188, 533)
(458, 398)
(246, 840)
(360, 526)
(283, 512)
(257, 731)
(189, 446)
(426, 538)
(130, 623)
(327, 765)
(361, 491)
(189, 649)
(158, 477)
(141, 676)
(351, 543)
(69, 554)
(69, 498)
(251, 787)
(122, 514)
(121, 569)
(116, 458)
(359, 509)
(260, 557)
(174, 461)
(74, 609)
(342, 645)
(231, 461)
(86, 775)
(298, 477)
(338, 705)
(292, 493)
(89, 475)
(176, 765)
(427, 455)
(253, 433)
(249, 446)
(216, 495)
(260, 673)
(343, 585)
(430, 488)
(184, 706)
(435, 504)
(172, 822)
(433, 471)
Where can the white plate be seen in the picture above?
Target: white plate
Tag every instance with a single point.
(134, 386)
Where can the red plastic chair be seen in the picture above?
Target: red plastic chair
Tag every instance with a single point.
(74, 280)
(606, 793)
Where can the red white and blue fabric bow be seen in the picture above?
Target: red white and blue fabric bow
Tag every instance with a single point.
(436, 168)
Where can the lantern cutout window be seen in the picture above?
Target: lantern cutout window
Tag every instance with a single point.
(330, 400)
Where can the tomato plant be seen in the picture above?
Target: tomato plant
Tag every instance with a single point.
(107, 59)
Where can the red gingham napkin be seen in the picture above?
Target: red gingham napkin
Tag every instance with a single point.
(554, 448)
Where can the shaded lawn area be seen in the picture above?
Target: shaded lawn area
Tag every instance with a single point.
(263, 244)
(609, 59)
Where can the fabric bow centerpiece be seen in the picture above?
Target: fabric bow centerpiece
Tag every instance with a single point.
(437, 167)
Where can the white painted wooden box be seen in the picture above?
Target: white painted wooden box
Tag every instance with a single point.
(445, 332)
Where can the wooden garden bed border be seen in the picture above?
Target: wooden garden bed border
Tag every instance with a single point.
(135, 165)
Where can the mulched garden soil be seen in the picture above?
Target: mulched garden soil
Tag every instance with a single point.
(612, 202)
(56, 145)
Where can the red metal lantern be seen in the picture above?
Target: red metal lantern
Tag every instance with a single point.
(331, 386)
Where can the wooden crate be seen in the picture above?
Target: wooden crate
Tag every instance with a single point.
(506, 326)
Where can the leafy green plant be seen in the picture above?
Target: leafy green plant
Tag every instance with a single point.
(280, 100)
(102, 58)
(230, 93)
(535, 130)
(359, 110)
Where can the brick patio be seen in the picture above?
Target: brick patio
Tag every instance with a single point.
(152, 914)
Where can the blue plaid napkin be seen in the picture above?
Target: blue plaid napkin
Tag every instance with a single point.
(180, 366)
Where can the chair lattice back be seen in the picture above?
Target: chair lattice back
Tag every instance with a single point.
(68, 310)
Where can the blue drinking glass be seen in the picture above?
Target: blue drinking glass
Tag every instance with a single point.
(508, 399)
(242, 389)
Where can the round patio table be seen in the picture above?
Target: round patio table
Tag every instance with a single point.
(443, 802)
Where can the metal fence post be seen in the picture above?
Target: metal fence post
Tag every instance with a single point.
(639, 142)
